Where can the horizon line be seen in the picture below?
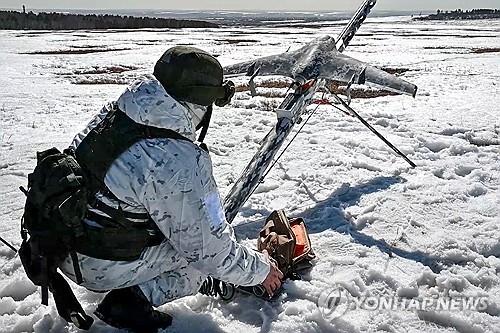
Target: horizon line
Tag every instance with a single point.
(234, 10)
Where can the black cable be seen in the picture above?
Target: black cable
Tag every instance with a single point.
(8, 244)
(289, 144)
(205, 123)
(213, 287)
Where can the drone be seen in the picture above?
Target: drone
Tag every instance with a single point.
(310, 67)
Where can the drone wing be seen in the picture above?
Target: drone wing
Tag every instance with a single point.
(315, 61)
(280, 64)
(382, 79)
(339, 67)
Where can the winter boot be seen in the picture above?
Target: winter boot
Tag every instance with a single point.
(129, 309)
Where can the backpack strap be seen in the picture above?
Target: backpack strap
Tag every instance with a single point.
(120, 238)
(67, 304)
(119, 213)
(205, 124)
(103, 145)
(109, 139)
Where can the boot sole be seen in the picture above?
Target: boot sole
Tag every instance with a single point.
(112, 323)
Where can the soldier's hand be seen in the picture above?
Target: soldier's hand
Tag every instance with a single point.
(274, 278)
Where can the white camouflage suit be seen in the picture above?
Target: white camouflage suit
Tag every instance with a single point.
(172, 181)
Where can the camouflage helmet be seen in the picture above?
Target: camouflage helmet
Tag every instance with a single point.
(191, 75)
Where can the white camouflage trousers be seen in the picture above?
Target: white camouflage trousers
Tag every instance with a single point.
(161, 274)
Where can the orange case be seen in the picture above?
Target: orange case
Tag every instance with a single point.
(302, 241)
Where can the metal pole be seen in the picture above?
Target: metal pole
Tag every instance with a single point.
(374, 131)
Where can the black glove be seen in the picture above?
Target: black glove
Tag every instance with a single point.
(229, 90)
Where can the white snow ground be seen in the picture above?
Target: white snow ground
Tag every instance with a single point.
(378, 227)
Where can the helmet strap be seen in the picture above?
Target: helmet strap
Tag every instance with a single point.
(205, 123)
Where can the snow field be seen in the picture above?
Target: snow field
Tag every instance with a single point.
(379, 228)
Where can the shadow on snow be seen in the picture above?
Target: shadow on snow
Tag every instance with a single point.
(329, 215)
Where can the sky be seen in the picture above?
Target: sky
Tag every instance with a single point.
(287, 5)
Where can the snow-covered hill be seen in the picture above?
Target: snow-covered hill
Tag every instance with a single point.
(380, 229)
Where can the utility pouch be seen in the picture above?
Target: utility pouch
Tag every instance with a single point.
(287, 241)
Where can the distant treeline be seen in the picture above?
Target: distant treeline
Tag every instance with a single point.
(459, 14)
(12, 20)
